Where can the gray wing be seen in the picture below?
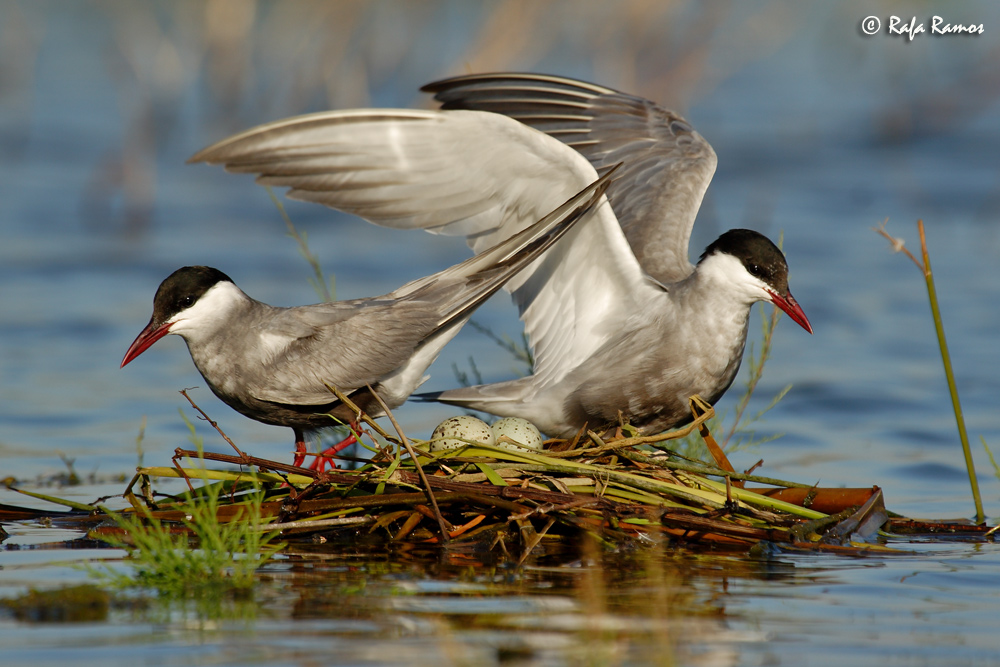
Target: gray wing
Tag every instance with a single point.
(667, 164)
(396, 337)
(476, 174)
(457, 173)
(346, 344)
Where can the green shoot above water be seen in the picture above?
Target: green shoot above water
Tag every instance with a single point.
(925, 268)
(160, 553)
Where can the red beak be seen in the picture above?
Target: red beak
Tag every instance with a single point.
(147, 337)
(788, 304)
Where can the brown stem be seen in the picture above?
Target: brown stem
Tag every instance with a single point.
(213, 424)
(445, 528)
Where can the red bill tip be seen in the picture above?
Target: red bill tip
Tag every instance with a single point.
(788, 304)
(146, 337)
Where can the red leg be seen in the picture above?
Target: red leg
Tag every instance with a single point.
(320, 462)
(300, 447)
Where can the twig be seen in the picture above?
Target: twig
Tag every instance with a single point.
(416, 462)
(466, 527)
(318, 523)
(716, 472)
(204, 416)
(535, 539)
(359, 414)
(697, 403)
(246, 459)
(546, 509)
(637, 440)
(898, 244)
(180, 469)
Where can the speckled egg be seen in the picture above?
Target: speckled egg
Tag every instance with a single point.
(518, 430)
(464, 427)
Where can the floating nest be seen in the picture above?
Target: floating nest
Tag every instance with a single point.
(622, 490)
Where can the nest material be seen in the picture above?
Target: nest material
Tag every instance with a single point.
(620, 490)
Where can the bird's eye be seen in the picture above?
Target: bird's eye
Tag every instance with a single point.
(755, 270)
(186, 301)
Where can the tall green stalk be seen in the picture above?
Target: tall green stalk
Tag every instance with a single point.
(925, 268)
(950, 375)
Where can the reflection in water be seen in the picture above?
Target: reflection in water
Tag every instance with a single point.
(657, 604)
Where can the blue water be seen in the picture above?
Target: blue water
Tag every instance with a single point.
(822, 133)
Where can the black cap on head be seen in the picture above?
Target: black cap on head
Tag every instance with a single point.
(182, 288)
(761, 258)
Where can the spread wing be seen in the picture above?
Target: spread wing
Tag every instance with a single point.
(667, 165)
(469, 173)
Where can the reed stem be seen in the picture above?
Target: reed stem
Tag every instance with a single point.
(950, 375)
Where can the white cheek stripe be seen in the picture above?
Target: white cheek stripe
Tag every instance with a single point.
(208, 312)
(728, 270)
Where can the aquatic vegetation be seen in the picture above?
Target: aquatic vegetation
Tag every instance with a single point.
(224, 556)
(191, 553)
(924, 265)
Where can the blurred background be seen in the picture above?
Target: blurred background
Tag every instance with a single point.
(822, 133)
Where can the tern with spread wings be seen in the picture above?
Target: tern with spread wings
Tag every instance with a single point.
(622, 324)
